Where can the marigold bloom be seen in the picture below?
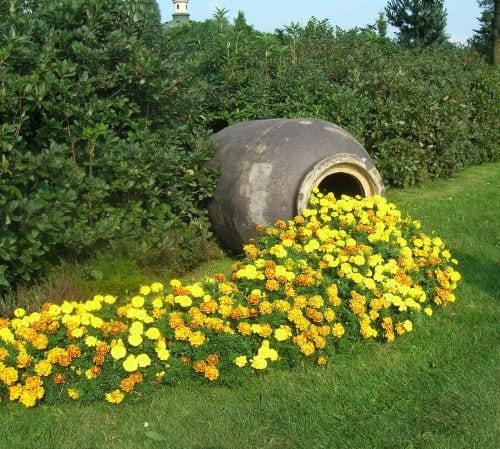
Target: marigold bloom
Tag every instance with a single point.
(212, 359)
(59, 378)
(259, 362)
(240, 361)
(211, 373)
(73, 394)
(200, 366)
(115, 397)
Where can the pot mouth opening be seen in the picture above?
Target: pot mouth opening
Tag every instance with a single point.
(341, 183)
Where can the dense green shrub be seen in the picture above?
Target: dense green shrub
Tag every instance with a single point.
(421, 113)
(100, 131)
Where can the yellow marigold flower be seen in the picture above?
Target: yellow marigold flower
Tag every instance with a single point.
(137, 328)
(91, 341)
(428, 311)
(23, 360)
(265, 308)
(130, 364)
(77, 333)
(27, 398)
(196, 339)
(400, 328)
(307, 348)
(196, 290)
(109, 299)
(8, 375)
(175, 283)
(137, 301)
(6, 335)
(259, 362)
(73, 394)
(322, 361)
(118, 351)
(272, 285)
(156, 287)
(338, 330)
(211, 372)
(153, 333)
(408, 325)
(15, 392)
(278, 251)
(240, 361)
(19, 312)
(143, 360)
(145, 290)
(115, 397)
(163, 354)
(157, 303)
(283, 333)
(245, 328)
(3, 354)
(43, 368)
(329, 315)
(183, 300)
(134, 340)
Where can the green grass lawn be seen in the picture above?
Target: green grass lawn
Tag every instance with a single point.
(437, 387)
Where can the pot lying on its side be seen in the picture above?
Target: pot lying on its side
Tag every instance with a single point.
(269, 168)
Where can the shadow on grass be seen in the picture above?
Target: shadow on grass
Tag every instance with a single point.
(483, 274)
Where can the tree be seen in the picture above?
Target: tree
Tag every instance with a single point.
(496, 33)
(420, 22)
(482, 40)
(382, 25)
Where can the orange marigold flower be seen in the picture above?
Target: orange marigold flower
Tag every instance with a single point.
(127, 385)
(99, 360)
(219, 277)
(185, 360)
(64, 359)
(59, 378)
(212, 359)
(101, 349)
(253, 299)
(4, 322)
(52, 327)
(200, 366)
(136, 377)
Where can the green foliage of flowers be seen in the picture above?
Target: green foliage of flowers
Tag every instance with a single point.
(345, 268)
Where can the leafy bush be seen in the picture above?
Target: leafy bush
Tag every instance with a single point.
(344, 269)
(101, 136)
(421, 113)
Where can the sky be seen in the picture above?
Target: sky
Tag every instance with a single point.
(267, 15)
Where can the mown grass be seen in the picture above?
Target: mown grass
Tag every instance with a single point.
(437, 387)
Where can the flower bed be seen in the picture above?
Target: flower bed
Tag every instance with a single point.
(344, 269)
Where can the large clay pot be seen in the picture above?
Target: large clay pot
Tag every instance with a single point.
(268, 169)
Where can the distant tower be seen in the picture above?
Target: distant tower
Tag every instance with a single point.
(181, 13)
